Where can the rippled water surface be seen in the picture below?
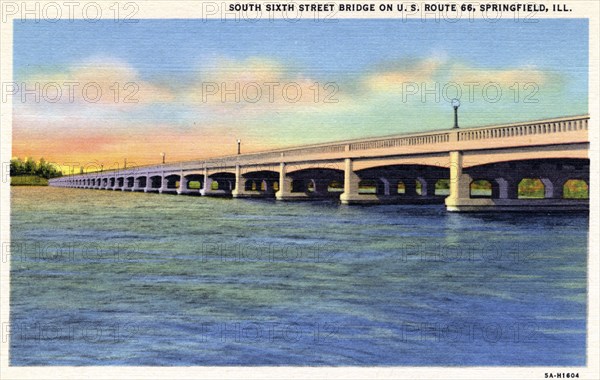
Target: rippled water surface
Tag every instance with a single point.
(114, 278)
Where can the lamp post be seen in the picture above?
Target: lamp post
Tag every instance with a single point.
(163, 157)
(239, 142)
(455, 105)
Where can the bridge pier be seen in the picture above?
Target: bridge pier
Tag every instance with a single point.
(427, 186)
(508, 188)
(183, 185)
(168, 184)
(119, 184)
(206, 184)
(460, 188)
(127, 184)
(285, 192)
(186, 181)
(320, 187)
(149, 184)
(351, 182)
(240, 185)
(224, 186)
(269, 188)
(139, 183)
(164, 185)
(554, 186)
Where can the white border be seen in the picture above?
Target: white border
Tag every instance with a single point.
(193, 9)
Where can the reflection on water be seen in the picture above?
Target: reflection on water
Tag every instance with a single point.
(112, 278)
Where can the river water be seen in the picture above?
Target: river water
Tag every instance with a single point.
(114, 278)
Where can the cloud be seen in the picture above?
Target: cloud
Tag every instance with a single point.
(461, 73)
(394, 75)
(195, 114)
(253, 69)
(398, 76)
(255, 86)
(96, 81)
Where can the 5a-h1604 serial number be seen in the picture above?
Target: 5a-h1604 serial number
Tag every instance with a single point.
(561, 375)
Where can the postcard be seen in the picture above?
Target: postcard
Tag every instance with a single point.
(263, 189)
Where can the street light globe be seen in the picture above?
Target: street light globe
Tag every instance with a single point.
(455, 103)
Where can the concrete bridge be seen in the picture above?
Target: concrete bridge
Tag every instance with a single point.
(470, 169)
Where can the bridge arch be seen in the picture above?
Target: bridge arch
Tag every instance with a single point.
(407, 180)
(140, 182)
(224, 181)
(261, 181)
(130, 182)
(533, 188)
(323, 181)
(194, 181)
(544, 178)
(170, 182)
(155, 182)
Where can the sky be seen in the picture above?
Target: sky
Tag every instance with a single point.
(190, 88)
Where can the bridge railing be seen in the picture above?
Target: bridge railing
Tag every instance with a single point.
(429, 139)
(542, 127)
(335, 148)
(525, 129)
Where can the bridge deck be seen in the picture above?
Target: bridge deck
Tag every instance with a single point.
(456, 154)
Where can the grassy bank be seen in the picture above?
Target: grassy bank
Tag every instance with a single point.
(28, 180)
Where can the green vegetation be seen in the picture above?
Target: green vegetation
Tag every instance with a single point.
(442, 184)
(481, 188)
(336, 186)
(194, 185)
(40, 168)
(32, 173)
(367, 187)
(28, 180)
(531, 188)
(576, 189)
(442, 187)
(401, 189)
(481, 184)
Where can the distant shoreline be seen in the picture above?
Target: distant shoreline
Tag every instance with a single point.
(28, 180)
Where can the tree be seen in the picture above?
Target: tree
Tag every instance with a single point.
(30, 167)
(16, 166)
(42, 169)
